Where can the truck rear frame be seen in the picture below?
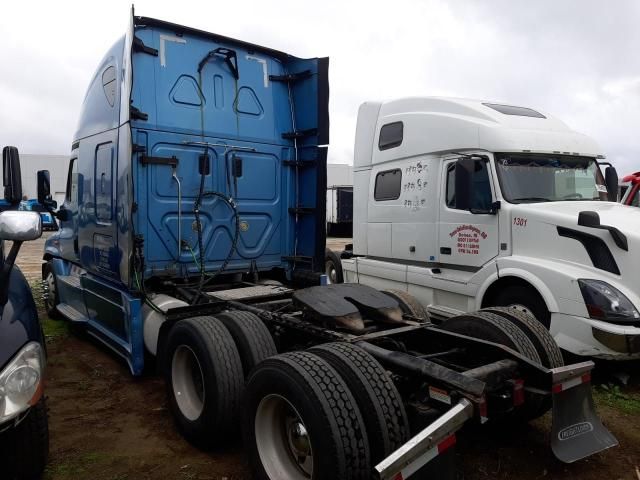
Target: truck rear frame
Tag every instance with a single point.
(446, 378)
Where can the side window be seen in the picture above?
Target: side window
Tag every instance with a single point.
(451, 185)
(635, 201)
(72, 182)
(103, 188)
(388, 185)
(481, 187)
(109, 84)
(390, 135)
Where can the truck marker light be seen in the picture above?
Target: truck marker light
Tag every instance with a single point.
(439, 395)
(563, 386)
(518, 392)
(483, 411)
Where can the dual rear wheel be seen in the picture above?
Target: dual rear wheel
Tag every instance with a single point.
(330, 412)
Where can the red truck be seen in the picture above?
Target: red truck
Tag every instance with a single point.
(629, 189)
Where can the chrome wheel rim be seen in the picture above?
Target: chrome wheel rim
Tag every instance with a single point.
(282, 440)
(51, 291)
(330, 271)
(187, 382)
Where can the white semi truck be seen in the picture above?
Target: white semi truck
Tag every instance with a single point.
(468, 204)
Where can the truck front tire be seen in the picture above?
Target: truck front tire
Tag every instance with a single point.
(51, 301)
(301, 421)
(204, 380)
(525, 299)
(333, 267)
(546, 346)
(494, 328)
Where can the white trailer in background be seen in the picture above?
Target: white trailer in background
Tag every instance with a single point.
(339, 199)
(467, 204)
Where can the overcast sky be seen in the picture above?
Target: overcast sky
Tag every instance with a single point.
(578, 59)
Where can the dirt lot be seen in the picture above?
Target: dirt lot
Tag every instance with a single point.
(106, 425)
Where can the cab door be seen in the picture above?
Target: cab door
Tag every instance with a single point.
(468, 239)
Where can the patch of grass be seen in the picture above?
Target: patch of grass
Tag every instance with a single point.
(76, 466)
(612, 396)
(36, 291)
(54, 328)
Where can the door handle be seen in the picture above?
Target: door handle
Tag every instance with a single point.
(445, 250)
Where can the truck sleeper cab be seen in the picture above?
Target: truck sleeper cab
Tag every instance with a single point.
(467, 204)
(197, 158)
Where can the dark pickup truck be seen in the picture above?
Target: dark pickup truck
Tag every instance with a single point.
(24, 435)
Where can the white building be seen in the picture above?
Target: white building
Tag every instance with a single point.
(57, 165)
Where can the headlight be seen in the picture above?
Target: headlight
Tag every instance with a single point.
(20, 381)
(607, 303)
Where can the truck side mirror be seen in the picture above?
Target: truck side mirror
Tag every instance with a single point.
(611, 181)
(464, 183)
(19, 226)
(11, 178)
(44, 189)
(589, 219)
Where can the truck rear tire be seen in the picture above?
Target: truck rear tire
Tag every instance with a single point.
(301, 421)
(494, 328)
(408, 304)
(333, 267)
(52, 299)
(252, 337)
(24, 450)
(204, 379)
(527, 300)
(377, 397)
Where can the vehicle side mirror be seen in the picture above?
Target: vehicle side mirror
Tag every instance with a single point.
(11, 178)
(589, 219)
(465, 168)
(611, 181)
(17, 226)
(20, 226)
(44, 190)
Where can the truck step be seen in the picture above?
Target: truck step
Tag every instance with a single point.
(71, 313)
(70, 280)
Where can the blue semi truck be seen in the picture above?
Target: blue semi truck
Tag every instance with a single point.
(192, 238)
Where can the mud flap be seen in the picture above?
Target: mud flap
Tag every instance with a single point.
(576, 431)
(430, 444)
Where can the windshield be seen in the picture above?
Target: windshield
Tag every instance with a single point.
(528, 177)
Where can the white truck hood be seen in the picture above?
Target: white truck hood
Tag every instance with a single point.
(614, 214)
(537, 233)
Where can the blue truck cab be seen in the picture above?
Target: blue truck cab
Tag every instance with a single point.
(24, 438)
(197, 159)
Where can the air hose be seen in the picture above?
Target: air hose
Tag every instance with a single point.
(204, 278)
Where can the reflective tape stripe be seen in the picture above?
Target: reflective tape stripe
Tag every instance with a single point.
(425, 458)
(573, 382)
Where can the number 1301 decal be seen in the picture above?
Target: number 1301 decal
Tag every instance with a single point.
(520, 222)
